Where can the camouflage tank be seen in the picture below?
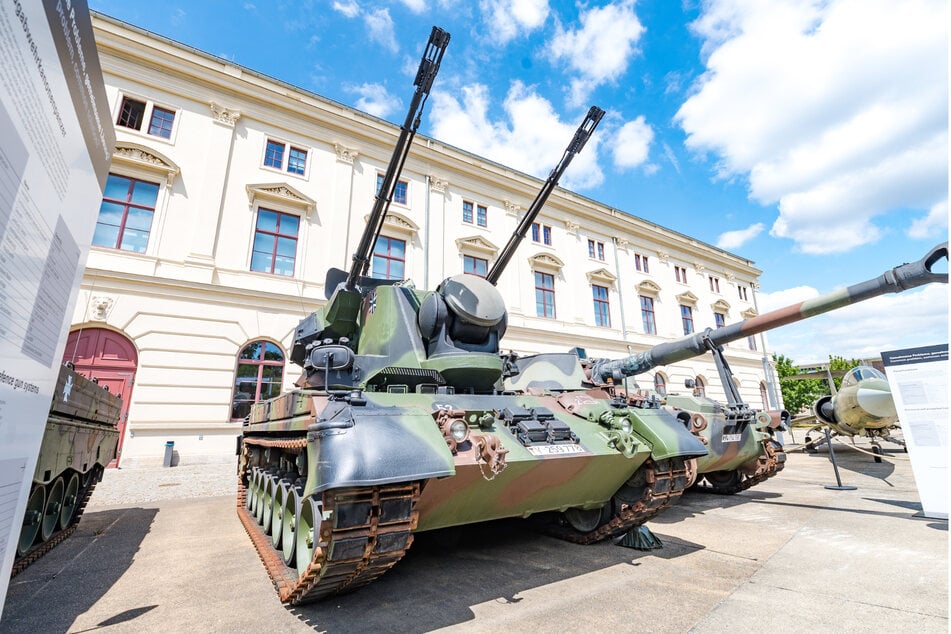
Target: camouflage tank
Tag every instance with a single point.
(743, 450)
(401, 423)
(80, 440)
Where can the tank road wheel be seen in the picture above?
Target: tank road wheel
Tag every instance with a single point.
(259, 497)
(586, 520)
(70, 502)
(308, 523)
(277, 513)
(267, 502)
(32, 520)
(249, 496)
(289, 526)
(54, 504)
(724, 481)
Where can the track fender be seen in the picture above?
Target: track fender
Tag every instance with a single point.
(666, 435)
(368, 446)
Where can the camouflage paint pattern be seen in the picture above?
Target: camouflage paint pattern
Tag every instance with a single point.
(863, 405)
(81, 430)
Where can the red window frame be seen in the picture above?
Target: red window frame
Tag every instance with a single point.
(128, 203)
(383, 249)
(258, 355)
(472, 265)
(602, 306)
(647, 315)
(686, 318)
(545, 294)
(278, 234)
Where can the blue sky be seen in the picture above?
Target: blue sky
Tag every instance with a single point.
(808, 136)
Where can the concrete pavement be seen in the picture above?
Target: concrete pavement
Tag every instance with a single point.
(785, 556)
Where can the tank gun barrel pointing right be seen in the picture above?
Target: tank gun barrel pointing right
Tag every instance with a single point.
(896, 280)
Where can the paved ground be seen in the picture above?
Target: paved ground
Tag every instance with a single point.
(786, 556)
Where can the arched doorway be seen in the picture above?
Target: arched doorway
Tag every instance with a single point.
(111, 358)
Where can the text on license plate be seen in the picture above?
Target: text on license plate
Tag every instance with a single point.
(732, 437)
(554, 450)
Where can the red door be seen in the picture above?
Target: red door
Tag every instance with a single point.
(110, 357)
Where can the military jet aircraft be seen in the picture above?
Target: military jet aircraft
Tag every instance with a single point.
(863, 406)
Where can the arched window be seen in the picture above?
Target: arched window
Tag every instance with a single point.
(660, 384)
(258, 377)
(699, 388)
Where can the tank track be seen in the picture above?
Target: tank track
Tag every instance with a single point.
(666, 481)
(360, 538)
(767, 466)
(22, 563)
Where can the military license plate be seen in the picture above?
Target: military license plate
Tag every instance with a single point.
(554, 450)
(732, 437)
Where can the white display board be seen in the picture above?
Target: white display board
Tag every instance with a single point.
(56, 140)
(919, 382)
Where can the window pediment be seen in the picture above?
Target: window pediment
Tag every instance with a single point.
(476, 243)
(397, 222)
(545, 261)
(647, 287)
(280, 193)
(687, 298)
(749, 313)
(720, 306)
(601, 275)
(145, 160)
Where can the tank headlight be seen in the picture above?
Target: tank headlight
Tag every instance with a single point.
(459, 431)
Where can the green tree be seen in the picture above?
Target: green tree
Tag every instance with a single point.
(798, 394)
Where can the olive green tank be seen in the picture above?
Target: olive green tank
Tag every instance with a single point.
(80, 440)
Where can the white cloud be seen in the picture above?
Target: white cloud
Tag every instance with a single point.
(835, 110)
(380, 28)
(531, 138)
(507, 19)
(934, 224)
(416, 6)
(736, 239)
(600, 50)
(348, 8)
(891, 322)
(631, 143)
(375, 99)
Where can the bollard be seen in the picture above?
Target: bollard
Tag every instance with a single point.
(169, 448)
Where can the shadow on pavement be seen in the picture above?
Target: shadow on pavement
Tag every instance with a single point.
(46, 597)
(447, 571)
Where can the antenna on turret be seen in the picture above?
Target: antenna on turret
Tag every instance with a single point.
(428, 67)
(581, 137)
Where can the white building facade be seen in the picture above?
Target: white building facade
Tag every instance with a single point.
(231, 194)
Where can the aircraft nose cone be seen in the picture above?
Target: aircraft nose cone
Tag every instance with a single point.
(876, 402)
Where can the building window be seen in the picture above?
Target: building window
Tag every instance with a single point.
(602, 309)
(647, 315)
(660, 384)
(258, 377)
(399, 192)
(640, 263)
(125, 216)
(715, 284)
(544, 294)
(719, 319)
(541, 233)
(680, 273)
(742, 291)
(161, 123)
(275, 242)
(596, 250)
(389, 258)
(132, 114)
(686, 318)
(699, 388)
(282, 156)
(467, 211)
(475, 266)
(481, 213)
(751, 341)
